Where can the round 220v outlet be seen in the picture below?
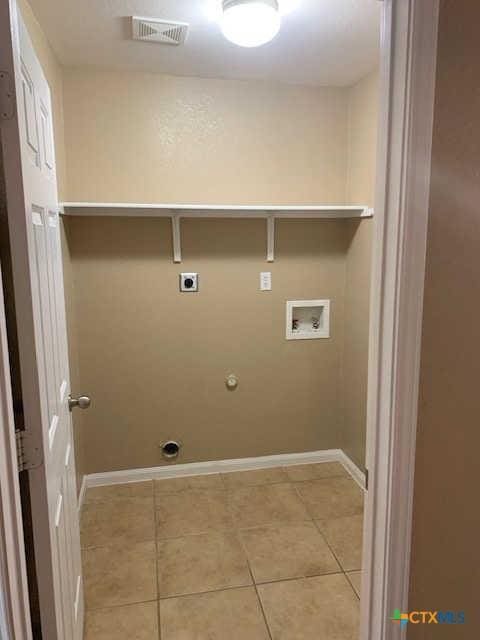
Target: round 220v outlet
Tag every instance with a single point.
(189, 282)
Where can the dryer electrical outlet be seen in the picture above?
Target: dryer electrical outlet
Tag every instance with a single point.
(189, 282)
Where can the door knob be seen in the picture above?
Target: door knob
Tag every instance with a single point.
(83, 402)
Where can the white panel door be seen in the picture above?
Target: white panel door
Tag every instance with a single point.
(29, 160)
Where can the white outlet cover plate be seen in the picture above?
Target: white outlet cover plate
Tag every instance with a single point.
(189, 282)
(266, 281)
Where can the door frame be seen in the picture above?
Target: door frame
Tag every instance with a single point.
(407, 81)
(14, 601)
(13, 571)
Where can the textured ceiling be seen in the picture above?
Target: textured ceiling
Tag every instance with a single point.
(322, 42)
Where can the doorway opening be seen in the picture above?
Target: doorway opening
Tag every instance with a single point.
(258, 184)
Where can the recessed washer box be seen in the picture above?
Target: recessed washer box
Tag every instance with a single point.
(308, 319)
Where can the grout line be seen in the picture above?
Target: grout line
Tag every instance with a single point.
(276, 523)
(333, 477)
(220, 589)
(269, 631)
(157, 585)
(197, 533)
(292, 579)
(260, 603)
(92, 487)
(329, 546)
(299, 496)
(118, 606)
(233, 588)
(351, 584)
(89, 501)
(248, 586)
(158, 588)
(158, 621)
(253, 486)
(157, 582)
(343, 571)
(120, 544)
(227, 490)
(206, 591)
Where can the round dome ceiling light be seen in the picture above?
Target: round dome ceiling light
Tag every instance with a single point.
(287, 6)
(250, 23)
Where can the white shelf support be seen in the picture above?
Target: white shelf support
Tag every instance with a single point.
(271, 239)
(176, 238)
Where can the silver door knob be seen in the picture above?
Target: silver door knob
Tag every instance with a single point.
(82, 402)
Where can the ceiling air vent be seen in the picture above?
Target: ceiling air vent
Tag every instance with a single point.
(153, 30)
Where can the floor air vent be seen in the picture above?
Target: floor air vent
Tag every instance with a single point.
(162, 31)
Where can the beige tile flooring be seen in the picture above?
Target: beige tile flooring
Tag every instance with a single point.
(272, 554)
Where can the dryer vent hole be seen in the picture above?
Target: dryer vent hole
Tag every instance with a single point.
(170, 449)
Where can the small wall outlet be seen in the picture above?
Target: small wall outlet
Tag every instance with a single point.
(189, 282)
(265, 281)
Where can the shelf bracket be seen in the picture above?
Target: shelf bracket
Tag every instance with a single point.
(271, 239)
(176, 238)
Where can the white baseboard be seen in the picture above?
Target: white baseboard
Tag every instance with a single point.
(222, 466)
(357, 474)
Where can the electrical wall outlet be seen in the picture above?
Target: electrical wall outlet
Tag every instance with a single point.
(266, 281)
(189, 282)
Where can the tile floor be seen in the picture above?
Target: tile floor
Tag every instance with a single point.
(272, 554)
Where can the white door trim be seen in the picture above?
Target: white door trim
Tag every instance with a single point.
(403, 184)
(14, 603)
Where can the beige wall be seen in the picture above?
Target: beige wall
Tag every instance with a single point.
(155, 360)
(362, 138)
(355, 355)
(362, 125)
(445, 567)
(315, 400)
(72, 331)
(54, 75)
(152, 138)
(137, 137)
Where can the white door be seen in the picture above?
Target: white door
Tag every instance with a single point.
(29, 163)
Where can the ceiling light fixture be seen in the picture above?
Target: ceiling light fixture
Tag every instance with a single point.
(250, 23)
(287, 6)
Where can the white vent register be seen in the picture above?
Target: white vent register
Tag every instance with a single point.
(161, 31)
